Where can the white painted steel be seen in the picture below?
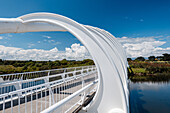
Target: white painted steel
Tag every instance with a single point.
(51, 86)
(64, 101)
(107, 53)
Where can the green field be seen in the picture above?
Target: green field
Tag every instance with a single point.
(149, 70)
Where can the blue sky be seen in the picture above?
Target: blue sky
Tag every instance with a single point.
(145, 20)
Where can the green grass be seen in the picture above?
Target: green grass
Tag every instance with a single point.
(139, 70)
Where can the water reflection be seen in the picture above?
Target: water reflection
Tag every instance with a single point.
(149, 97)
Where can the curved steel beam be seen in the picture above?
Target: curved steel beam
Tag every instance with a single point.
(107, 53)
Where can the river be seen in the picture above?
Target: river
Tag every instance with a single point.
(149, 97)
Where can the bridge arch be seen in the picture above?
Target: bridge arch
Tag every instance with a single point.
(107, 53)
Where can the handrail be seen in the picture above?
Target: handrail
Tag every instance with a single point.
(29, 80)
(33, 87)
(73, 78)
(45, 70)
(64, 101)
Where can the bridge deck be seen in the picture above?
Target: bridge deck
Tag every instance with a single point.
(41, 100)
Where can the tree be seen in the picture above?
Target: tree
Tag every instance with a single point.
(160, 58)
(151, 58)
(129, 59)
(64, 62)
(140, 59)
(1, 61)
(166, 57)
(87, 62)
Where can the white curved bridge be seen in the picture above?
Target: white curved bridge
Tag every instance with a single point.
(53, 91)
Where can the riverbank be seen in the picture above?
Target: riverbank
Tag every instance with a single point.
(149, 70)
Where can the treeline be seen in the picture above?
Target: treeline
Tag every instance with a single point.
(164, 57)
(12, 66)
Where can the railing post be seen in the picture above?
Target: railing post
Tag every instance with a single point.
(18, 86)
(74, 73)
(51, 96)
(83, 94)
(82, 74)
(63, 87)
(63, 75)
(93, 70)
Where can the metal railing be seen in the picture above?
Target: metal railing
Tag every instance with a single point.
(50, 90)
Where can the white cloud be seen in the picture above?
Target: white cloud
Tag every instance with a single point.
(75, 52)
(54, 42)
(1, 37)
(47, 36)
(50, 41)
(54, 50)
(135, 47)
(143, 46)
(30, 45)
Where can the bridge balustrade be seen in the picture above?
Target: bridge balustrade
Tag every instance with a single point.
(33, 92)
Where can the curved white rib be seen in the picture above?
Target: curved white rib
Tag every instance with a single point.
(107, 53)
